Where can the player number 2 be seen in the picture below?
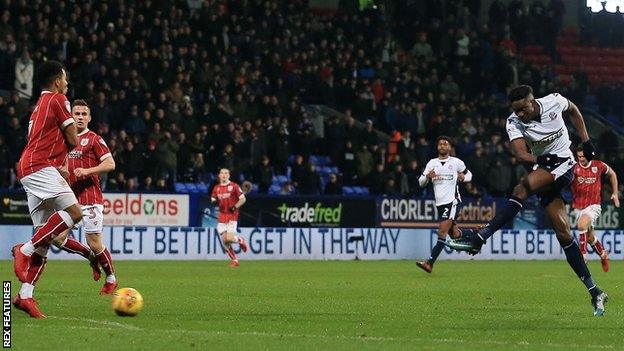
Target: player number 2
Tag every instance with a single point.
(445, 213)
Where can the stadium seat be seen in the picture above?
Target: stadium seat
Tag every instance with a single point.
(202, 187)
(347, 190)
(274, 189)
(180, 188)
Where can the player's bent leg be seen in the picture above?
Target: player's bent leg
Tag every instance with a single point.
(105, 260)
(599, 249)
(558, 216)
(534, 181)
(73, 246)
(228, 239)
(443, 229)
(583, 224)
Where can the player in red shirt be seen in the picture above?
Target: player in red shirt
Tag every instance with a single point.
(85, 164)
(230, 198)
(52, 204)
(586, 190)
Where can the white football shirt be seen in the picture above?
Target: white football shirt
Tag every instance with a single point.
(445, 184)
(548, 134)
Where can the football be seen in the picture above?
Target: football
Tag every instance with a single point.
(127, 302)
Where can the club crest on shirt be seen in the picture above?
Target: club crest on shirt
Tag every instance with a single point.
(229, 188)
(84, 142)
(594, 169)
(552, 116)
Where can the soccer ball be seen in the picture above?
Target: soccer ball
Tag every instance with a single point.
(127, 302)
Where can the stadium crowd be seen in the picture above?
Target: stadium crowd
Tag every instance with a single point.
(178, 88)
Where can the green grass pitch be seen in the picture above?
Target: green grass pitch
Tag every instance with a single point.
(325, 305)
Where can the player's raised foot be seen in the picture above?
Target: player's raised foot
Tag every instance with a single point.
(108, 288)
(21, 263)
(234, 263)
(95, 266)
(243, 244)
(425, 266)
(470, 242)
(599, 304)
(29, 306)
(604, 260)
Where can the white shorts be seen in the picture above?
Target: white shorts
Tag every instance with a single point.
(229, 227)
(592, 211)
(92, 218)
(47, 192)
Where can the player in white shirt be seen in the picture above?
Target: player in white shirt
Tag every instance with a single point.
(539, 124)
(444, 172)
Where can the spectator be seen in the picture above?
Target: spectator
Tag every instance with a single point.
(499, 178)
(401, 182)
(297, 171)
(422, 49)
(24, 72)
(311, 182)
(333, 186)
(413, 172)
(377, 180)
(364, 163)
(168, 159)
(368, 136)
(264, 175)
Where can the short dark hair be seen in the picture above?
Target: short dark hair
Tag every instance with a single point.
(48, 72)
(519, 93)
(579, 147)
(81, 102)
(444, 137)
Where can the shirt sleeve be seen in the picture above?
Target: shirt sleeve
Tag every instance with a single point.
(238, 193)
(461, 166)
(62, 111)
(605, 168)
(100, 148)
(513, 131)
(561, 101)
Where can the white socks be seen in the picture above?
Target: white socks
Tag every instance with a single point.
(26, 292)
(28, 248)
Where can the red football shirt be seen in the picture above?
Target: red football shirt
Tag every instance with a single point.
(586, 187)
(227, 196)
(46, 143)
(91, 150)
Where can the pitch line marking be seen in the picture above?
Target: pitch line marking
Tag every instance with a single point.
(316, 336)
(102, 322)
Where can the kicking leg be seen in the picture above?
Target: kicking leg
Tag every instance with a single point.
(558, 216)
(104, 258)
(73, 246)
(534, 181)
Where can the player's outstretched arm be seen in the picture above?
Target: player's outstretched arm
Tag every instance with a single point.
(579, 123)
(577, 120)
(614, 185)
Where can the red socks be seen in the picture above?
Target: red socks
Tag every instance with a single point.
(583, 243)
(230, 253)
(55, 225)
(37, 264)
(76, 247)
(106, 261)
(598, 247)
